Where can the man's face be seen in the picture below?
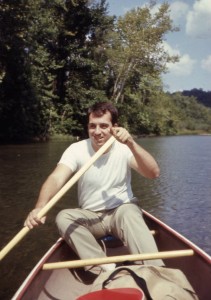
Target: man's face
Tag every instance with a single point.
(99, 129)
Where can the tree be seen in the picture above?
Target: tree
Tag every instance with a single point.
(137, 47)
(81, 81)
(52, 65)
(15, 91)
(192, 115)
(29, 64)
(44, 26)
(201, 96)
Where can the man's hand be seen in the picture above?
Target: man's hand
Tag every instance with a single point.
(142, 161)
(121, 134)
(32, 219)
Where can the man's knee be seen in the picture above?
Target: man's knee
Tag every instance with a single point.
(63, 217)
(129, 210)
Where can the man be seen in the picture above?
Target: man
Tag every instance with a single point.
(106, 201)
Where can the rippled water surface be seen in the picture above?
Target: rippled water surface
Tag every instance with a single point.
(181, 197)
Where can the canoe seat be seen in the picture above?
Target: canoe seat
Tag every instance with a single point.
(117, 294)
(110, 241)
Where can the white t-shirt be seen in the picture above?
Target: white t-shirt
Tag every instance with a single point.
(107, 183)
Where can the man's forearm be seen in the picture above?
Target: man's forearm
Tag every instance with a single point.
(48, 190)
(143, 161)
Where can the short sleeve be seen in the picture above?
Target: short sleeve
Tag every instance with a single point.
(69, 158)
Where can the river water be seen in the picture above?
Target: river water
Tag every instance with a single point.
(181, 197)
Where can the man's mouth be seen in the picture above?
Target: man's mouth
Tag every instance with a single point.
(98, 139)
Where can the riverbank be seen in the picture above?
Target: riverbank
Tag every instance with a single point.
(72, 139)
(193, 132)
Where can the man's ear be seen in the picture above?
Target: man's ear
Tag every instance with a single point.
(115, 125)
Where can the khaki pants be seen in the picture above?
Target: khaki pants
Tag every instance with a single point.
(80, 228)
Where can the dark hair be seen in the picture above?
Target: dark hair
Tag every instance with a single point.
(100, 108)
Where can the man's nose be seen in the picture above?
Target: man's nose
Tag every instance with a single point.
(97, 130)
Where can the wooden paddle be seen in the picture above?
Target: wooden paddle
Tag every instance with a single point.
(57, 197)
(117, 259)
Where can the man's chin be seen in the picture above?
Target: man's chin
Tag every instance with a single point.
(97, 144)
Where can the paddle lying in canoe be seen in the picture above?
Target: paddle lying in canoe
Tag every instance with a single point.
(117, 259)
(65, 283)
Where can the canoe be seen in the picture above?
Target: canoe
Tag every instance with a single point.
(71, 283)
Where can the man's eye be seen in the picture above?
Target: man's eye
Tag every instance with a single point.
(104, 126)
(92, 126)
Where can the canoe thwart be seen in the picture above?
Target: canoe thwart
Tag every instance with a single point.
(117, 259)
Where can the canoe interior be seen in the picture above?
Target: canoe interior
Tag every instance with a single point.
(62, 284)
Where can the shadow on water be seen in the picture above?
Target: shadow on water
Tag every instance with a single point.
(180, 197)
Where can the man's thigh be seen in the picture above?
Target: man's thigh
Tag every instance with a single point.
(77, 219)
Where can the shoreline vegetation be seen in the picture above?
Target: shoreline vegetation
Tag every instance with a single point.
(73, 139)
(60, 137)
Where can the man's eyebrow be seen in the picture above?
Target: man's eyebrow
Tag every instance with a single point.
(104, 123)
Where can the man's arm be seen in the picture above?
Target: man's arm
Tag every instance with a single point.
(142, 161)
(51, 186)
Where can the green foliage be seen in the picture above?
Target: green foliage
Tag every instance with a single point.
(201, 96)
(191, 114)
(136, 48)
(17, 106)
(59, 57)
(26, 89)
(81, 81)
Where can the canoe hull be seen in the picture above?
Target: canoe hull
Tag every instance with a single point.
(70, 284)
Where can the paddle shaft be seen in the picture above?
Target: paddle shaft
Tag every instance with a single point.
(117, 259)
(18, 237)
